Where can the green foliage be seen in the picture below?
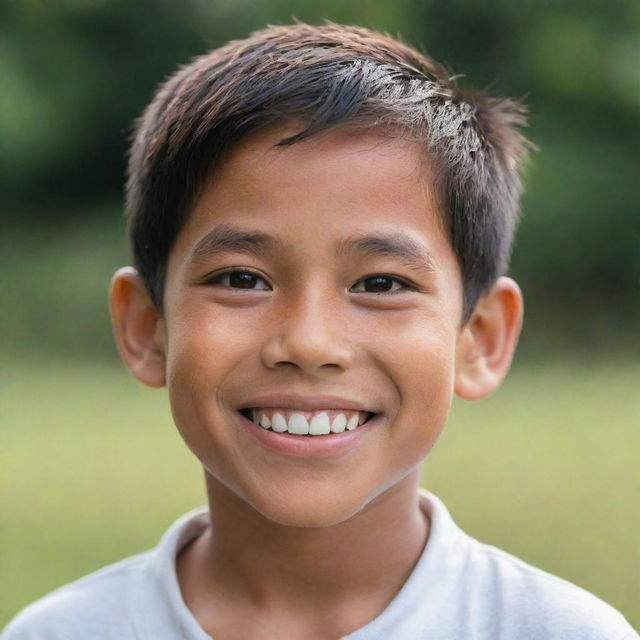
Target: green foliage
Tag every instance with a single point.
(56, 281)
(94, 471)
(77, 72)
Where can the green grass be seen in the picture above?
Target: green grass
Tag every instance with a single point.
(92, 470)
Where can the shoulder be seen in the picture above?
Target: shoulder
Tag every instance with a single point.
(94, 606)
(485, 592)
(136, 597)
(537, 604)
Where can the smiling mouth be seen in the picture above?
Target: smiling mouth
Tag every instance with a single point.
(307, 423)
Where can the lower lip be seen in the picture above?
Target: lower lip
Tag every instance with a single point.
(325, 446)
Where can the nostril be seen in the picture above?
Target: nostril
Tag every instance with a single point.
(306, 349)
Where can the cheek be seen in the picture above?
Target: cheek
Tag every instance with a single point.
(429, 389)
(422, 365)
(205, 343)
(208, 355)
(194, 370)
(419, 349)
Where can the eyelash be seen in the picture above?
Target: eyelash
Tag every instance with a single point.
(404, 285)
(217, 279)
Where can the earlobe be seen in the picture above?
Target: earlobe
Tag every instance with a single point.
(487, 342)
(138, 327)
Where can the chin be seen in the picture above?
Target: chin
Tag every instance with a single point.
(308, 509)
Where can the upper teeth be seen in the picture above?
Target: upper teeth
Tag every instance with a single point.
(314, 423)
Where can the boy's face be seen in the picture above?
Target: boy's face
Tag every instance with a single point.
(346, 296)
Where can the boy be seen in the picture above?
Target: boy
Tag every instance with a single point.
(320, 223)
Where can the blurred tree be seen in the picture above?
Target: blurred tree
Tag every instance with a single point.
(75, 73)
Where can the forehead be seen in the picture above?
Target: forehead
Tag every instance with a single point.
(378, 164)
(338, 184)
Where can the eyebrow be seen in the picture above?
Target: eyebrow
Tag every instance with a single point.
(228, 238)
(408, 251)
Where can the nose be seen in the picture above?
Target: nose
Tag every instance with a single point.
(310, 336)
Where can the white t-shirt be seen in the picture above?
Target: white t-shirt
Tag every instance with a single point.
(459, 589)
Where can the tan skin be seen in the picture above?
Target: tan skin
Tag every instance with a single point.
(313, 548)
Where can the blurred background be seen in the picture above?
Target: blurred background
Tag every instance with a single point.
(90, 467)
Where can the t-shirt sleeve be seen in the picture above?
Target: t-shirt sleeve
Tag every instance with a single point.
(92, 608)
(53, 618)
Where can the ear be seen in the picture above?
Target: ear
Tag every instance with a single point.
(138, 327)
(487, 342)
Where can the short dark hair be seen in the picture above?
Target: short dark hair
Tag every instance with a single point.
(325, 76)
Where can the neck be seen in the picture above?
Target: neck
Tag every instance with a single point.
(357, 566)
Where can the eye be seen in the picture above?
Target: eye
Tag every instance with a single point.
(240, 279)
(380, 284)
